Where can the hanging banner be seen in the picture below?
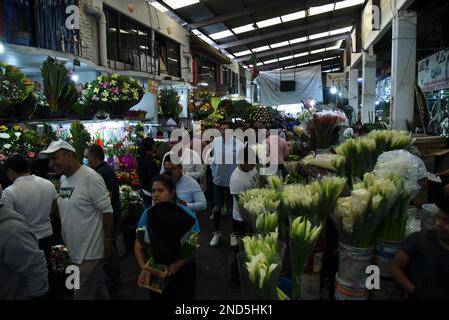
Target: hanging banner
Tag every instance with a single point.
(306, 83)
(433, 72)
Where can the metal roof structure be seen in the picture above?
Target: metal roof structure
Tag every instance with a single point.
(278, 33)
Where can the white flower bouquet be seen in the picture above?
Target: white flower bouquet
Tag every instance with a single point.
(260, 266)
(303, 236)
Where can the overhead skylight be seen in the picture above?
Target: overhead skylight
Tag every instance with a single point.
(319, 35)
(196, 32)
(290, 67)
(245, 28)
(260, 64)
(221, 34)
(270, 61)
(279, 44)
(302, 54)
(321, 9)
(261, 48)
(316, 61)
(158, 6)
(250, 66)
(293, 16)
(286, 58)
(331, 58)
(348, 3)
(242, 53)
(302, 64)
(207, 39)
(342, 30)
(176, 4)
(317, 51)
(298, 40)
(269, 22)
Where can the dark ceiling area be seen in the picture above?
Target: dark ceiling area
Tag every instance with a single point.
(272, 32)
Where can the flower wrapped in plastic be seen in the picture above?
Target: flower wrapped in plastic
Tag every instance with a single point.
(260, 262)
(404, 169)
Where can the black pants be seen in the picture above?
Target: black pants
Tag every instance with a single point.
(45, 245)
(220, 194)
(181, 286)
(242, 229)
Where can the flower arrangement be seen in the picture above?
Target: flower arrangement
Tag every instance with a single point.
(132, 203)
(262, 115)
(315, 200)
(14, 85)
(200, 103)
(80, 138)
(254, 202)
(168, 102)
(59, 89)
(267, 223)
(303, 236)
(22, 140)
(201, 111)
(321, 127)
(114, 94)
(261, 265)
(359, 216)
(128, 178)
(390, 140)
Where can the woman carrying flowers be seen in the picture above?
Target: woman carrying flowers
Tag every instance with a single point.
(168, 235)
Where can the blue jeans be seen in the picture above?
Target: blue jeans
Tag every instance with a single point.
(219, 194)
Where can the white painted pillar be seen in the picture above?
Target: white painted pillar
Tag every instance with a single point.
(403, 69)
(353, 93)
(369, 88)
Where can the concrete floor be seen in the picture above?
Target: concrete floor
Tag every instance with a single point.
(214, 281)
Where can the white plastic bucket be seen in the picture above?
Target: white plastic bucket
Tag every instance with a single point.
(352, 263)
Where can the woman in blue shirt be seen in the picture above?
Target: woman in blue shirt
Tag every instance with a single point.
(182, 272)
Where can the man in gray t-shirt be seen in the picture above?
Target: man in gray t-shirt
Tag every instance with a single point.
(421, 266)
(86, 218)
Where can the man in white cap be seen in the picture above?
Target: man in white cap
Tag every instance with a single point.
(86, 218)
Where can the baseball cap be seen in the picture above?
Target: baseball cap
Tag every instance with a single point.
(55, 146)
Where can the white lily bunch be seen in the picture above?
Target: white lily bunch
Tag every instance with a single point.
(303, 236)
(267, 223)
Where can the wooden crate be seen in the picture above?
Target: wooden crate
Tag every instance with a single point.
(154, 279)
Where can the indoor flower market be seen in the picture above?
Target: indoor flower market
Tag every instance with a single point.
(211, 150)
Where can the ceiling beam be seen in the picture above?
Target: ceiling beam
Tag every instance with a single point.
(349, 20)
(305, 59)
(304, 45)
(233, 15)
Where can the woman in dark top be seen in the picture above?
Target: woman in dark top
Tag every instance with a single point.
(147, 169)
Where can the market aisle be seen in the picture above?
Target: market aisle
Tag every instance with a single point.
(214, 281)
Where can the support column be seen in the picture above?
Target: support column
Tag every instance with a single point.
(369, 88)
(403, 69)
(353, 93)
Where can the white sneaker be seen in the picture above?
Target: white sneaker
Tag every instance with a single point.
(215, 239)
(233, 240)
(211, 217)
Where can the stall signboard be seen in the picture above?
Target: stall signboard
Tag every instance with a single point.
(433, 72)
(336, 80)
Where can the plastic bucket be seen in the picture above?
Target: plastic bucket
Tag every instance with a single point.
(352, 263)
(389, 290)
(348, 291)
(384, 252)
(311, 286)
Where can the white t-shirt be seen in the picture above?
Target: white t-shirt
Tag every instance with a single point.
(240, 182)
(32, 197)
(83, 199)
